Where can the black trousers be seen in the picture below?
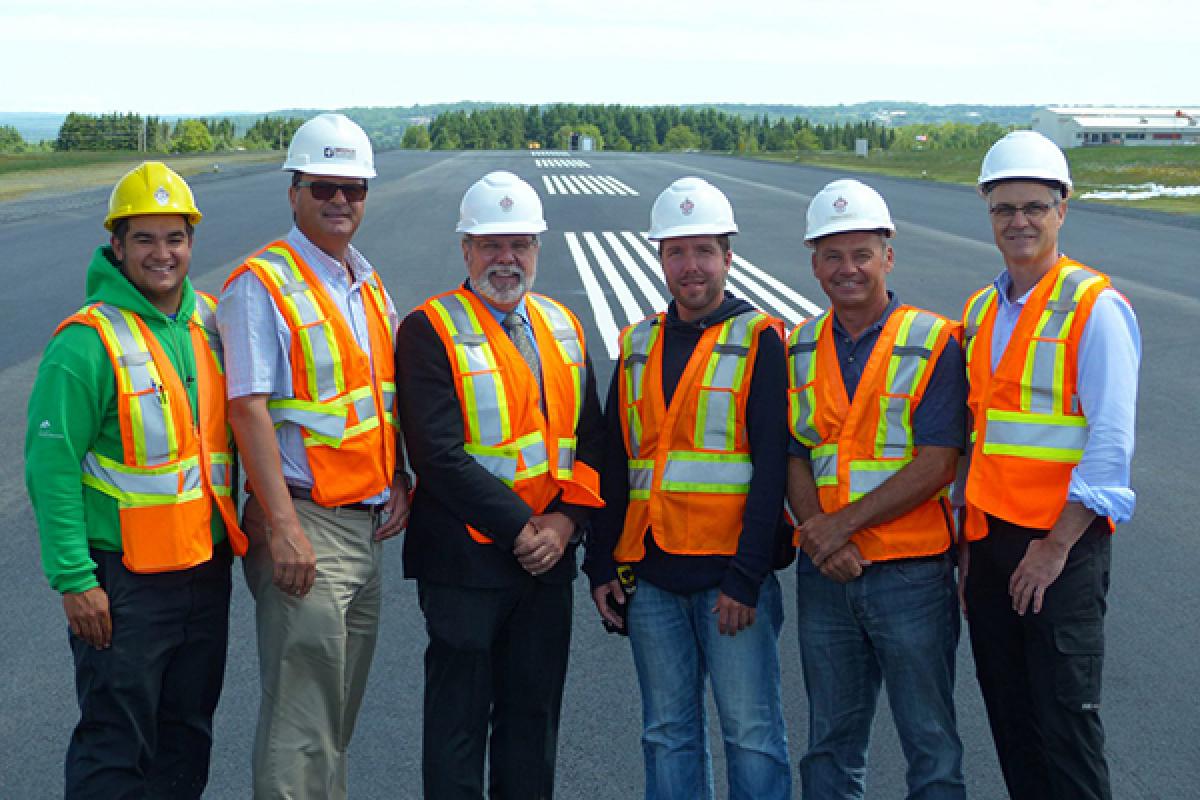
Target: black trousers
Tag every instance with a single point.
(1040, 674)
(496, 658)
(146, 703)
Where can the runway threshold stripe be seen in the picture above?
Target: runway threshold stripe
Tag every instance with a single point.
(649, 291)
(799, 300)
(549, 186)
(600, 308)
(633, 311)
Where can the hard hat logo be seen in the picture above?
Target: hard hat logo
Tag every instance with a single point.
(687, 206)
(162, 196)
(840, 205)
(343, 153)
(506, 204)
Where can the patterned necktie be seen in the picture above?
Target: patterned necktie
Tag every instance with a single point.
(520, 337)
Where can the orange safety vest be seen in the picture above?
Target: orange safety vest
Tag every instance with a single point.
(689, 464)
(504, 427)
(857, 446)
(1029, 431)
(173, 471)
(344, 404)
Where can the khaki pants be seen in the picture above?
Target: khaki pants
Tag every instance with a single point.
(314, 653)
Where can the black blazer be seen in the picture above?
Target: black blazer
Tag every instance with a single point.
(453, 490)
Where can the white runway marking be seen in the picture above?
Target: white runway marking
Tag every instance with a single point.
(614, 263)
(587, 184)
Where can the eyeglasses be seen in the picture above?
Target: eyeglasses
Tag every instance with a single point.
(327, 190)
(1033, 211)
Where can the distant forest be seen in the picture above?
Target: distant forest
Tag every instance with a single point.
(730, 128)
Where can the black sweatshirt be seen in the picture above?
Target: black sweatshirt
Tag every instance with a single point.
(739, 577)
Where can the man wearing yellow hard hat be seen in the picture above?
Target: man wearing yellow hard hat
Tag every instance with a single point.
(129, 465)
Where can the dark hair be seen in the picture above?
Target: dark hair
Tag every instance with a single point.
(121, 228)
(722, 242)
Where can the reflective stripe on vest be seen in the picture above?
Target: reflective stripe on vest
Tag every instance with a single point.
(802, 353)
(707, 473)
(157, 475)
(639, 341)
(325, 418)
(488, 420)
(570, 351)
(716, 418)
(916, 337)
(716, 415)
(1040, 430)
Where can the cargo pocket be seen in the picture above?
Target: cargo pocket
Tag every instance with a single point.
(1080, 660)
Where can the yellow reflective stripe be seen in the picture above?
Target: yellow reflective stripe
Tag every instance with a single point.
(500, 462)
(569, 345)
(722, 379)
(688, 471)
(637, 342)
(1044, 437)
(867, 476)
(802, 376)
(131, 486)
(825, 464)
(205, 316)
(641, 478)
(306, 329)
(470, 372)
(565, 468)
(977, 309)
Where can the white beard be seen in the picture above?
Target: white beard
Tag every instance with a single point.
(484, 287)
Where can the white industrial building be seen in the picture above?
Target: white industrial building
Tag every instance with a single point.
(1100, 125)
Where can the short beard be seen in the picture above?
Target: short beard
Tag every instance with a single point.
(483, 287)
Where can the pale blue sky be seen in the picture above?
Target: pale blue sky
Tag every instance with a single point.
(259, 55)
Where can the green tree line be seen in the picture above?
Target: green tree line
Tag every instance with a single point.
(155, 135)
(645, 129)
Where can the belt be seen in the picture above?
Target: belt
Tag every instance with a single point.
(301, 493)
(913, 560)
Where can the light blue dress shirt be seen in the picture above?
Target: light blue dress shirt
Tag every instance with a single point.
(257, 341)
(1110, 351)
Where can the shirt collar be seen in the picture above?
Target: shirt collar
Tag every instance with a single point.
(329, 268)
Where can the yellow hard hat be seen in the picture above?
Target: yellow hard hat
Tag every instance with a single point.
(151, 188)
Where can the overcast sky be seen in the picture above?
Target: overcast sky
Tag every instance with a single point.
(253, 55)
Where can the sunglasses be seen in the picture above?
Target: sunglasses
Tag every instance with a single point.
(327, 190)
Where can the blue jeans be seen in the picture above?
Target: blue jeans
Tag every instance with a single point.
(675, 644)
(898, 623)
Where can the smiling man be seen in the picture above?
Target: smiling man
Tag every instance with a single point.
(502, 421)
(693, 484)
(310, 329)
(128, 406)
(877, 397)
(1052, 359)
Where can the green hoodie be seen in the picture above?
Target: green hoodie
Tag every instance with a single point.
(73, 410)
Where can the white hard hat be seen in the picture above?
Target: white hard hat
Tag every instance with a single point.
(1028, 155)
(847, 205)
(691, 207)
(331, 144)
(501, 203)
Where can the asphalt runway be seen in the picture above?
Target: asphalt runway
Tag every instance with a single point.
(595, 259)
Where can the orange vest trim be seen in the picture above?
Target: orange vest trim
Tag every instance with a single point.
(689, 464)
(343, 400)
(857, 446)
(1029, 431)
(504, 427)
(172, 471)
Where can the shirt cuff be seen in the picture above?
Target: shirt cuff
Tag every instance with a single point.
(1115, 502)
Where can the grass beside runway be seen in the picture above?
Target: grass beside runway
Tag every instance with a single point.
(1092, 168)
(28, 173)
